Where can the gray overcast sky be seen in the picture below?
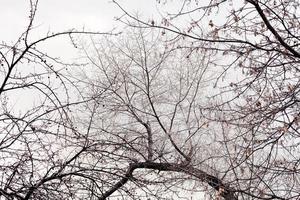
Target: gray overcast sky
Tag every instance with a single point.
(59, 15)
(62, 15)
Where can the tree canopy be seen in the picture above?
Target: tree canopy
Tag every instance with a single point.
(199, 102)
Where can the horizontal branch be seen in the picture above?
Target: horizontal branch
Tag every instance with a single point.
(213, 181)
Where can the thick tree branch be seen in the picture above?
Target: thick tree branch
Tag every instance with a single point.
(213, 181)
(272, 29)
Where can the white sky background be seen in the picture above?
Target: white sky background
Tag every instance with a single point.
(62, 15)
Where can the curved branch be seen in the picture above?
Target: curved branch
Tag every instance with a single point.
(226, 192)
